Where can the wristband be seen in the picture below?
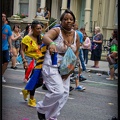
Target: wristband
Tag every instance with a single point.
(52, 43)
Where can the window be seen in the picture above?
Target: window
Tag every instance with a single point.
(38, 4)
(116, 13)
(24, 6)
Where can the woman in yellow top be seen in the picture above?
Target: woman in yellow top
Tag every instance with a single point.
(32, 46)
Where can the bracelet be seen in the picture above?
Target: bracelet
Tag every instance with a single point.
(52, 43)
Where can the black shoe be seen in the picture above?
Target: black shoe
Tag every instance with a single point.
(71, 88)
(72, 81)
(82, 78)
(13, 67)
(114, 118)
(41, 116)
(44, 87)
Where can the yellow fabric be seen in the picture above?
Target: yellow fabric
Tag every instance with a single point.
(33, 49)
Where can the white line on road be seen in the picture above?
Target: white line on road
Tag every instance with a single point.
(16, 70)
(101, 83)
(22, 88)
(85, 81)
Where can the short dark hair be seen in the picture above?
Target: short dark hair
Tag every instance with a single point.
(65, 12)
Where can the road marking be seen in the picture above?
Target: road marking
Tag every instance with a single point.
(101, 83)
(16, 70)
(85, 81)
(35, 91)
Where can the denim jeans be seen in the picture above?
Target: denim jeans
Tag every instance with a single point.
(85, 55)
(82, 59)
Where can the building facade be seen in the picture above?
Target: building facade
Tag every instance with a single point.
(89, 13)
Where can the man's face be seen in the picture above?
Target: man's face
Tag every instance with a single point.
(3, 18)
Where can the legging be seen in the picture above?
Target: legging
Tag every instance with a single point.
(39, 84)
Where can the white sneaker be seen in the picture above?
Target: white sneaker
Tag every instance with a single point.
(3, 80)
(17, 63)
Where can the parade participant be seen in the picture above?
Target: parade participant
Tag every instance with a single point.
(57, 39)
(32, 46)
(16, 39)
(6, 44)
(80, 34)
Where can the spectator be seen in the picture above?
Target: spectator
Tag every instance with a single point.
(46, 13)
(113, 54)
(96, 50)
(82, 30)
(86, 47)
(6, 45)
(16, 39)
(39, 13)
(27, 30)
(58, 39)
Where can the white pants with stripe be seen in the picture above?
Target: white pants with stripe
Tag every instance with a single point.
(58, 92)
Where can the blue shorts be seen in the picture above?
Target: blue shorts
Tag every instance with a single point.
(115, 66)
(29, 59)
(5, 56)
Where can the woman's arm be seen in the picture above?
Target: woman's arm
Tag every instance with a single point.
(23, 47)
(49, 37)
(97, 41)
(15, 38)
(77, 45)
(87, 42)
(100, 40)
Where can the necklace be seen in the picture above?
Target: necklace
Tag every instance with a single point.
(69, 31)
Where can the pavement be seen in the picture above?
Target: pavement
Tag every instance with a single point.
(103, 67)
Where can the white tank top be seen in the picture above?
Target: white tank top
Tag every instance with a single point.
(61, 48)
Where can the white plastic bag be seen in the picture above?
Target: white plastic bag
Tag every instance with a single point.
(68, 62)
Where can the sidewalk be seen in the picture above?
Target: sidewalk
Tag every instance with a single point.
(103, 67)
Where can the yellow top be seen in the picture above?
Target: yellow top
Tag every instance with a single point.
(34, 50)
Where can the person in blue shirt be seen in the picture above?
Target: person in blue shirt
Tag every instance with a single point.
(6, 44)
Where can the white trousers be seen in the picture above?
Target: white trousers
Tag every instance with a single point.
(58, 92)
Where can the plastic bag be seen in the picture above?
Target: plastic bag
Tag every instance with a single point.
(19, 59)
(68, 62)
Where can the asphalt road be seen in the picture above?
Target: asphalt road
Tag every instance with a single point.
(97, 102)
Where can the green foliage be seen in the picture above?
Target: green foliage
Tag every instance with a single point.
(22, 15)
(52, 22)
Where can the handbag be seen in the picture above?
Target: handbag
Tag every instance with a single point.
(111, 60)
(68, 62)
